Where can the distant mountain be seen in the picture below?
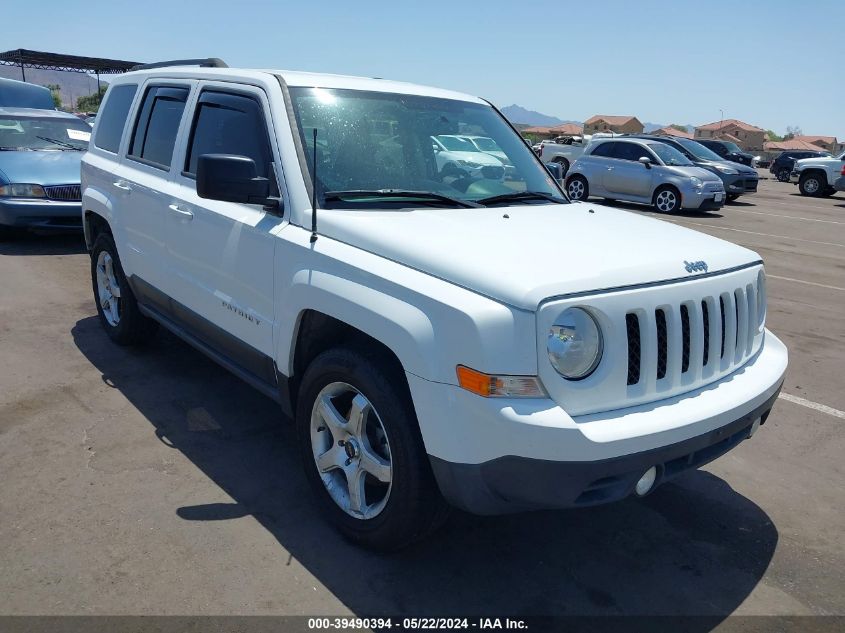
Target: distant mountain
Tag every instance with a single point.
(73, 85)
(650, 127)
(518, 114)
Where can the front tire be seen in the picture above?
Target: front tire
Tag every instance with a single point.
(667, 200)
(116, 304)
(812, 185)
(578, 188)
(783, 175)
(362, 450)
(732, 197)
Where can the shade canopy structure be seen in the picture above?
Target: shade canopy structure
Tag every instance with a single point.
(25, 58)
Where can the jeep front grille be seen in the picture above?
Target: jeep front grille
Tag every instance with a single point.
(686, 340)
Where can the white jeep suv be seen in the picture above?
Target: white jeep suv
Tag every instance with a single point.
(468, 340)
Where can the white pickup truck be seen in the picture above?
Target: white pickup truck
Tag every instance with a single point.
(566, 152)
(438, 338)
(817, 176)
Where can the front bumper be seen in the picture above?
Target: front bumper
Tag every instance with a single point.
(40, 214)
(740, 184)
(493, 456)
(703, 200)
(794, 177)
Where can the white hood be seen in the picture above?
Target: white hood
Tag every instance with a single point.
(479, 158)
(539, 251)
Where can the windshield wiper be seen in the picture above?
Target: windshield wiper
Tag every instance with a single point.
(61, 143)
(523, 195)
(424, 196)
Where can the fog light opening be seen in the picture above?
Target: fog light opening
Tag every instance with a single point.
(646, 482)
(754, 426)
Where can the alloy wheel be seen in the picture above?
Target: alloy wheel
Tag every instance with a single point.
(108, 288)
(351, 450)
(666, 200)
(812, 185)
(575, 189)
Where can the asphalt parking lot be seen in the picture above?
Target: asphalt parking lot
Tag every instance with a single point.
(153, 482)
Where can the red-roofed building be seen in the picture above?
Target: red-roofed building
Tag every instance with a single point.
(564, 129)
(828, 143)
(671, 131)
(748, 137)
(612, 123)
(792, 144)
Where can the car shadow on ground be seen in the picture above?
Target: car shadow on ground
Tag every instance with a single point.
(694, 546)
(26, 243)
(632, 206)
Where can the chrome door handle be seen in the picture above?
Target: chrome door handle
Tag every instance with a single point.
(185, 213)
(122, 184)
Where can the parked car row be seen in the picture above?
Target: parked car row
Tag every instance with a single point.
(645, 170)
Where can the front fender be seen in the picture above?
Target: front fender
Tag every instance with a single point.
(431, 325)
(95, 201)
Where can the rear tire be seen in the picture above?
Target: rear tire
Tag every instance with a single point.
(578, 188)
(564, 165)
(667, 199)
(116, 305)
(783, 175)
(396, 500)
(731, 197)
(812, 185)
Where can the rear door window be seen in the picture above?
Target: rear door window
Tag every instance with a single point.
(112, 117)
(157, 124)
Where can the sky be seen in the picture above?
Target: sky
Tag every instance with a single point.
(771, 63)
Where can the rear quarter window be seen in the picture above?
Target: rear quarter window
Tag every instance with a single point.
(112, 117)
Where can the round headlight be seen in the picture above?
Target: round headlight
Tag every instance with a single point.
(575, 344)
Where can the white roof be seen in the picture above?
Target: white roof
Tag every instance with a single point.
(297, 78)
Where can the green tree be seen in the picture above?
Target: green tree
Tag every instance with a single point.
(792, 131)
(91, 103)
(55, 91)
(679, 127)
(773, 137)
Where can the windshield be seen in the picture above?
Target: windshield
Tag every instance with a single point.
(732, 147)
(698, 150)
(669, 155)
(34, 133)
(486, 144)
(374, 141)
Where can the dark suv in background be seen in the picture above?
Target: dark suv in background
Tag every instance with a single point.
(728, 150)
(738, 179)
(783, 164)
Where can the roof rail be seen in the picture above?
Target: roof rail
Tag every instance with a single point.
(208, 62)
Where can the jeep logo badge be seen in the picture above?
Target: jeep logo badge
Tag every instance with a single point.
(695, 267)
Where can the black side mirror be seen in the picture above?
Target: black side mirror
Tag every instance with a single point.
(645, 160)
(231, 178)
(555, 170)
